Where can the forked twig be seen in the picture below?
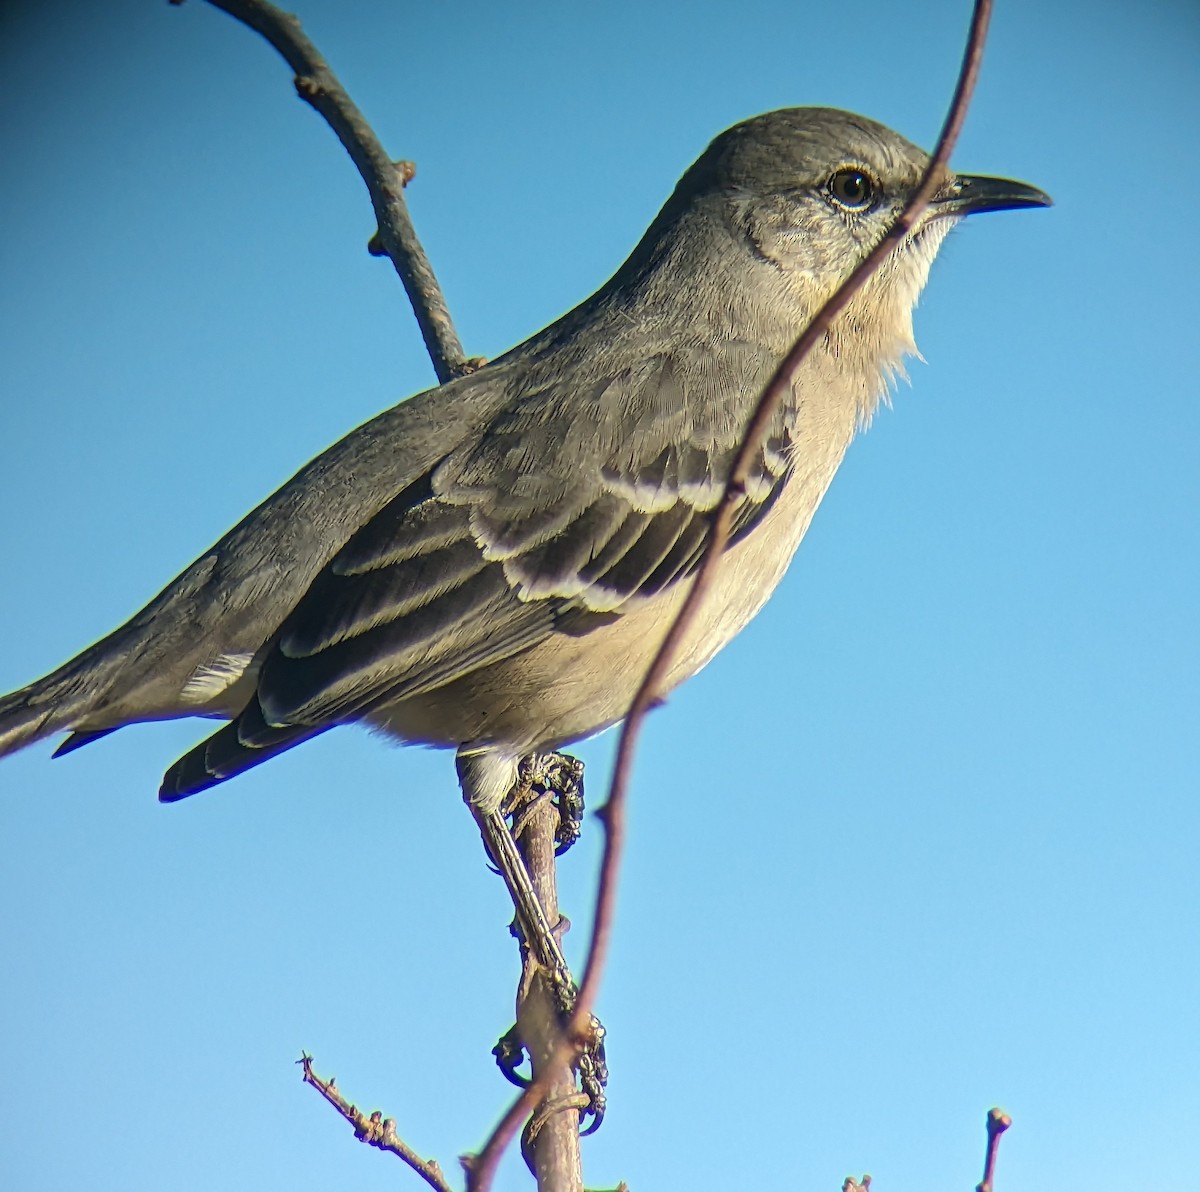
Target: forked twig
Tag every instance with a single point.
(483, 1167)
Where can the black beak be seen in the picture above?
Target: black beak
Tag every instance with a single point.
(969, 193)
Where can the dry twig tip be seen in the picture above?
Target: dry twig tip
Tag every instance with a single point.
(373, 1129)
(997, 1122)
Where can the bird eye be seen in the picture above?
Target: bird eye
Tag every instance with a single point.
(851, 188)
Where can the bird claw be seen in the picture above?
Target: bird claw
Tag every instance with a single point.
(570, 805)
(561, 776)
(510, 1055)
(593, 1079)
(556, 776)
(591, 1065)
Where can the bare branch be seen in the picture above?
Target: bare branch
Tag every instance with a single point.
(373, 1129)
(482, 1168)
(318, 86)
(552, 1137)
(997, 1122)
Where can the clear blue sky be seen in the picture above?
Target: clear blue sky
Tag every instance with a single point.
(922, 841)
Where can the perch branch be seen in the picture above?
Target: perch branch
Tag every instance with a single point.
(552, 1138)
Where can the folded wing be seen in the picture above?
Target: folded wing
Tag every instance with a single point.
(569, 509)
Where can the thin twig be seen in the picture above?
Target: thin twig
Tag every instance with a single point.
(484, 1164)
(373, 1129)
(781, 382)
(318, 86)
(997, 1122)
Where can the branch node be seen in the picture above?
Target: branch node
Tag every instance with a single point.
(307, 87)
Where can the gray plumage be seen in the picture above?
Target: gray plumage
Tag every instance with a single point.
(490, 565)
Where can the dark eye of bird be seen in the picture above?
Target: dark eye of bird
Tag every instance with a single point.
(852, 189)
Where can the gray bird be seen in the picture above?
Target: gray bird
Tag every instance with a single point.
(490, 565)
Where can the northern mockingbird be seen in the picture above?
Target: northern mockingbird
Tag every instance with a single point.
(490, 565)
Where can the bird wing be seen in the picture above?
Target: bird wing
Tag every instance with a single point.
(570, 508)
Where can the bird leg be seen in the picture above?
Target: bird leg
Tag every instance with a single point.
(559, 779)
(532, 925)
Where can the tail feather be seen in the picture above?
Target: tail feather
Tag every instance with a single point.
(240, 745)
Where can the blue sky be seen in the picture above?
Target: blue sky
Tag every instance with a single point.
(922, 841)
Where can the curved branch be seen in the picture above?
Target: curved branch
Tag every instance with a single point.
(483, 1166)
(648, 694)
(318, 86)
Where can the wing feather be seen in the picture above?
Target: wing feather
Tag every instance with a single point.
(554, 518)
